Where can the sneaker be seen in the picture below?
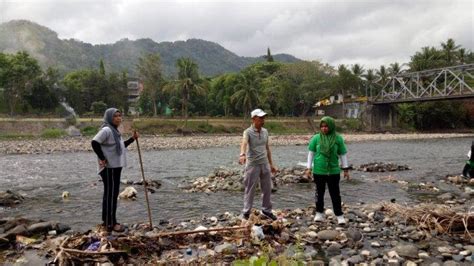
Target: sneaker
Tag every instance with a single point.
(340, 219)
(246, 215)
(269, 215)
(319, 217)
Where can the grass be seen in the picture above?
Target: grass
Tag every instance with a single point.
(51, 133)
(166, 126)
(216, 126)
(89, 131)
(15, 136)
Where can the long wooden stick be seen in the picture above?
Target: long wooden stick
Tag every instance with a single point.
(144, 184)
(203, 231)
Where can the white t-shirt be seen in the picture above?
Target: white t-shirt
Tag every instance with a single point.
(107, 143)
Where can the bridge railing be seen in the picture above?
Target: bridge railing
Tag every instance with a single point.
(442, 83)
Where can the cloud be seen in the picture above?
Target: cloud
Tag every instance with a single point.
(339, 32)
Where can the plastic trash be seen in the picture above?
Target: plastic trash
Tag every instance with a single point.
(257, 232)
(189, 251)
(25, 240)
(94, 246)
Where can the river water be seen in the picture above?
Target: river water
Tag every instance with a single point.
(42, 179)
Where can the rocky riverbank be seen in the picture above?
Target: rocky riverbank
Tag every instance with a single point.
(384, 233)
(78, 144)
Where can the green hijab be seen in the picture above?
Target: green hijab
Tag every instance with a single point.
(328, 140)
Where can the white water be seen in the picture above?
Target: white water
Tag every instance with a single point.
(69, 109)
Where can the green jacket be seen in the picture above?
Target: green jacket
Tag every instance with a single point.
(323, 165)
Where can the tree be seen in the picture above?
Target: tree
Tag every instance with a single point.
(370, 79)
(358, 71)
(382, 74)
(19, 74)
(346, 80)
(43, 95)
(461, 55)
(188, 82)
(394, 69)
(98, 107)
(150, 72)
(428, 58)
(101, 67)
(269, 55)
(449, 50)
(246, 92)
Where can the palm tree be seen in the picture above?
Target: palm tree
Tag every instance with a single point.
(449, 50)
(428, 58)
(246, 92)
(188, 81)
(462, 55)
(382, 74)
(395, 69)
(358, 71)
(370, 79)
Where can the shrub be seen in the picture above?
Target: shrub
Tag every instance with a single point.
(352, 124)
(50, 133)
(98, 107)
(89, 131)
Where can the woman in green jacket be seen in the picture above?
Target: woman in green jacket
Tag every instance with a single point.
(325, 150)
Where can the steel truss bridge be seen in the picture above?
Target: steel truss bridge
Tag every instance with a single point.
(456, 82)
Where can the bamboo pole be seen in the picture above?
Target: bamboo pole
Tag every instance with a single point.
(144, 184)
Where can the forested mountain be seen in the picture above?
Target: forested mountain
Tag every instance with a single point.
(67, 55)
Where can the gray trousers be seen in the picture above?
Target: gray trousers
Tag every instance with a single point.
(251, 176)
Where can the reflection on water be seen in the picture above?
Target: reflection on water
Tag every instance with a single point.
(43, 178)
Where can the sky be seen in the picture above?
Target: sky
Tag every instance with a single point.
(370, 32)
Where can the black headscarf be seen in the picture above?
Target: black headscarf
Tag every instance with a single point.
(108, 118)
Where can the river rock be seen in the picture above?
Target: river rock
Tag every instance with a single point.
(451, 263)
(328, 235)
(465, 253)
(446, 196)
(355, 259)
(359, 213)
(382, 167)
(393, 254)
(18, 230)
(4, 243)
(226, 248)
(447, 249)
(354, 234)
(423, 255)
(333, 250)
(73, 131)
(223, 179)
(8, 198)
(42, 227)
(375, 244)
(407, 250)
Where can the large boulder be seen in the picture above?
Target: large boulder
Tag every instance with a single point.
(9, 198)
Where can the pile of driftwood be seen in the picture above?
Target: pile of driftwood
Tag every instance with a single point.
(128, 248)
(434, 218)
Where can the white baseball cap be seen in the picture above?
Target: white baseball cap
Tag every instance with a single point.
(257, 112)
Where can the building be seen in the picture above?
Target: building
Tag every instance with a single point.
(338, 107)
(135, 88)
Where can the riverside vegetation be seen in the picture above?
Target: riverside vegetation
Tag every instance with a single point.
(281, 88)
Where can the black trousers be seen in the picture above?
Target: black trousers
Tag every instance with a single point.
(111, 180)
(333, 185)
